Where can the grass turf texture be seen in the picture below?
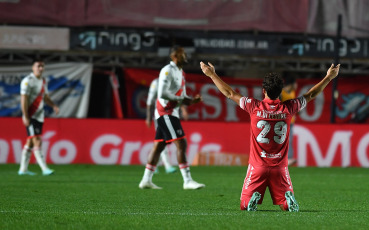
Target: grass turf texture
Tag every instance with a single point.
(108, 197)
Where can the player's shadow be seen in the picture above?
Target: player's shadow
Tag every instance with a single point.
(297, 212)
(312, 211)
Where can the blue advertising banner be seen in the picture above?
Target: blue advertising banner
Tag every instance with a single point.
(68, 86)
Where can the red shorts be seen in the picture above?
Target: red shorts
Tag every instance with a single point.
(277, 179)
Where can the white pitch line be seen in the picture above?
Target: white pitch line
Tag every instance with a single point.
(121, 213)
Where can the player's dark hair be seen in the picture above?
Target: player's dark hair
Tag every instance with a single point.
(37, 60)
(175, 49)
(273, 85)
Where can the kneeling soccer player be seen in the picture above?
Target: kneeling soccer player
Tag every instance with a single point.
(270, 128)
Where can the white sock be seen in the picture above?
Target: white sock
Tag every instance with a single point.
(185, 171)
(40, 159)
(25, 157)
(149, 172)
(165, 158)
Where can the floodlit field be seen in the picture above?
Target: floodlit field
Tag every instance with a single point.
(108, 197)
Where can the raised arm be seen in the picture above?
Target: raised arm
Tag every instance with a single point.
(318, 88)
(226, 90)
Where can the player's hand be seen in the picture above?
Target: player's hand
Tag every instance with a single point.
(56, 109)
(26, 121)
(333, 71)
(148, 123)
(187, 101)
(196, 99)
(208, 70)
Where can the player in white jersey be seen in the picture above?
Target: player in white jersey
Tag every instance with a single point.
(150, 106)
(33, 94)
(171, 94)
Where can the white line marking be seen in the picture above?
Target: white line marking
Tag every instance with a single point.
(119, 213)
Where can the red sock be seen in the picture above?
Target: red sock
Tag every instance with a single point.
(151, 167)
(182, 166)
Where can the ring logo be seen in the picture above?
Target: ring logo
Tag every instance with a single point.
(88, 39)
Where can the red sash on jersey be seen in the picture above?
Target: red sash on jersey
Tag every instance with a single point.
(168, 109)
(36, 103)
(179, 92)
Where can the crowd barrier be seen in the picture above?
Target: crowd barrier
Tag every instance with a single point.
(127, 142)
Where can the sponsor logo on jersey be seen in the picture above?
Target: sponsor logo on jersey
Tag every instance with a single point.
(270, 155)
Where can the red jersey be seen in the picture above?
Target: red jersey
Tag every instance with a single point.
(270, 129)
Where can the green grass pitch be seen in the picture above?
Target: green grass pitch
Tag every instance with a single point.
(107, 197)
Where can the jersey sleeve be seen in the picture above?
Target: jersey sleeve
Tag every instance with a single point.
(296, 105)
(153, 92)
(248, 104)
(25, 86)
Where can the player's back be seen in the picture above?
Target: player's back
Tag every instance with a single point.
(270, 122)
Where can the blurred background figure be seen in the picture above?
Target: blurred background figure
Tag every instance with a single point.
(288, 93)
(34, 93)
(150, 107)
(171, 95)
